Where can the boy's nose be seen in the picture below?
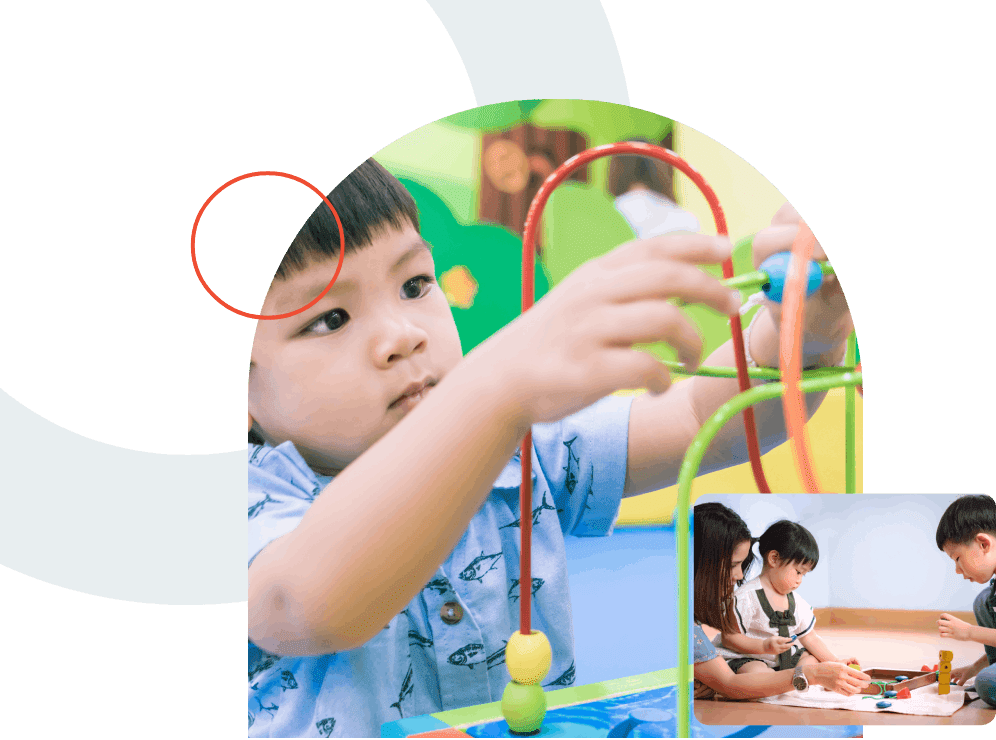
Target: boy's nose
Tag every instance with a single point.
(395, 339)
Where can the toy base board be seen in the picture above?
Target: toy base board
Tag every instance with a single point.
(596, 711)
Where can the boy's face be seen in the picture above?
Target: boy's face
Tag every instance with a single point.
(976, 560)
(336, 378)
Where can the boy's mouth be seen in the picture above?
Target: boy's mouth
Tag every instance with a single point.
(412, 394)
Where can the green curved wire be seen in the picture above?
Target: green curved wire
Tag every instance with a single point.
(812, 382)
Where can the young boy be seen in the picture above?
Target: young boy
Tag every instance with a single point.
(967, 535)
(383, 484)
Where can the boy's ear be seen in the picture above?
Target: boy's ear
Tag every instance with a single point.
(986, 542)
(773, 558)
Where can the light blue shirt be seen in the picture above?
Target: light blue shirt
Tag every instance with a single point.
(419, 663)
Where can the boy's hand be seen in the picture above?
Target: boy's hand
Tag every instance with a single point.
(776, 645)
(962, 674)
(949, 626)
(828, 322)
(575, 345)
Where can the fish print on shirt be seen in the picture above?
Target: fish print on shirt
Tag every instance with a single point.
(407, 687)
(258, 506)
(480, 567)
(440, 585)
(251, 720)
(287, 681)
(544, 506)
(271, 709)
(513, 592)
(266, 660)
(469, 655)
(414, 638)
(566, 678)
(325, 726)
(498, 656)
(572, 478)
(588, 489)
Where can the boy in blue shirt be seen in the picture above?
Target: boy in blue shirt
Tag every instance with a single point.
(383, 475)
(967, 535)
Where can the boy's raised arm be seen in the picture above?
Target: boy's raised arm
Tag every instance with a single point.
(379, 531)
(375, 536)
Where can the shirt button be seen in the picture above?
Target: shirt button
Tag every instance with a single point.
(451, 612)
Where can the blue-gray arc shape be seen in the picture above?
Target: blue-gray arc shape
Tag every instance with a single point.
(524, 50)
(170, 529)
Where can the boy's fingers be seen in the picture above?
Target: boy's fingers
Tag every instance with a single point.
(786, 215)
(693, 249)
(636, 369)
(652, 321)
(666, 280)
(779, 238)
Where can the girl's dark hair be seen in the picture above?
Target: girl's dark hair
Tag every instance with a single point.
(793, 543)
(965, 518)
(718, 531)
(369, 200)
(625, 170)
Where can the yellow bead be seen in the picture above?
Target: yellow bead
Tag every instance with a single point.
(523, 707)
(855, 666)
(528, 657)
(947, 656)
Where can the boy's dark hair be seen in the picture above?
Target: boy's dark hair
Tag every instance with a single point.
(793, 543)
(718, 531)
(964, 519)
(369, 200)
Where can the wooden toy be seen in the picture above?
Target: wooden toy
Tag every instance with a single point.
(944, 672)
(889, 679)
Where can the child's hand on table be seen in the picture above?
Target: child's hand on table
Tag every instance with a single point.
(576, 344)
(776, 645)
(949, 626)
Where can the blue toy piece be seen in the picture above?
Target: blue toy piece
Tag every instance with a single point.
(794, 637)
(884, 704)
(889, 694)
(776, 267)
(902, 678)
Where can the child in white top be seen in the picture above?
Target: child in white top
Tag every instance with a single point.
(776, 624)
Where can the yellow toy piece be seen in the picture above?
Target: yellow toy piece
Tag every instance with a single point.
(528, 657)
(855, 666)
(523, 707)
(944, 672)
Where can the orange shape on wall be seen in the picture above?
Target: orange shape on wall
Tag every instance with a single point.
(459, 286)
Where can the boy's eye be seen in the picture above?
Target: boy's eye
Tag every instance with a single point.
(329, 322)
(417, 286)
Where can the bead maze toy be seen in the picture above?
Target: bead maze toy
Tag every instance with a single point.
(524, 703)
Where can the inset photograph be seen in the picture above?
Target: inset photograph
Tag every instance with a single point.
(845, 610)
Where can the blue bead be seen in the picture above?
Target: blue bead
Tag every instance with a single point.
(884, 704)
(889, 694)
(902, 678)
(776, 266)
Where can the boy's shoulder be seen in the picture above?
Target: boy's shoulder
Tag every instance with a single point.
(282, 464)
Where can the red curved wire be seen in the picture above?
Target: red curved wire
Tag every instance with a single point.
(528, 298)
(790, 353)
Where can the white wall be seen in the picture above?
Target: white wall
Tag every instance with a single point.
(876, 551)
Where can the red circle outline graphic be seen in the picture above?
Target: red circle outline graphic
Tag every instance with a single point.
(267, 317)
